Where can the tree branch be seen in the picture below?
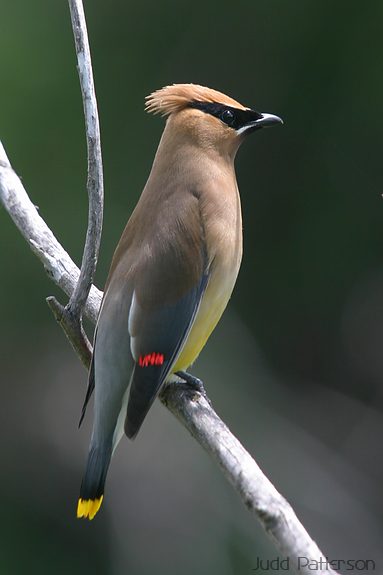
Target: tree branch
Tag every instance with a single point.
(95, 183)
(70, 316)
(56, 261)
(191, 408)
(276, 515)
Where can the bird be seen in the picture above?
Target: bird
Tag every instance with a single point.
(173, 270)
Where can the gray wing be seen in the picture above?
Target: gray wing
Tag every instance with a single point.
(157, 279)
(155, 349)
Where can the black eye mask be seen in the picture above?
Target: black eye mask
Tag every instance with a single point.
(232, 117)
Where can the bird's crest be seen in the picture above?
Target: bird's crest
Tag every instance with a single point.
(179, 96)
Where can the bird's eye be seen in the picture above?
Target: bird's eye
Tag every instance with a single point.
(227, 116)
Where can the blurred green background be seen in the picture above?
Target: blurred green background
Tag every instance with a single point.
(295, 367)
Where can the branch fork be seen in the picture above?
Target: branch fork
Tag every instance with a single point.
(70, 316)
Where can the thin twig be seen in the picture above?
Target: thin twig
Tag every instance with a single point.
(70, 316)
(95, 184)
(192, 409)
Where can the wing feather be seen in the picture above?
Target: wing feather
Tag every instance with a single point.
(156, 350)
(155, 285)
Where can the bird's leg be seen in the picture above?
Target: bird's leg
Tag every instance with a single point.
(193, 382)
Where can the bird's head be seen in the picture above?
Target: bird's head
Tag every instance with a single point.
(206, 116)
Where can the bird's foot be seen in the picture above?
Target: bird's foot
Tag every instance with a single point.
(193, 383)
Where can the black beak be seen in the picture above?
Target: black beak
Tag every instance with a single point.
(263, 121)
(268, 120)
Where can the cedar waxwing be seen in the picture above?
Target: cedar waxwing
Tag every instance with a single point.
(173, 270)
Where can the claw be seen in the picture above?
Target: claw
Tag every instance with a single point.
(193, 382)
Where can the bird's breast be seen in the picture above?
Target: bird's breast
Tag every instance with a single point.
(223, 235)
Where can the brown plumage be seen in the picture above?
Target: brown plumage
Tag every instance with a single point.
(173, 270)
(172, 99)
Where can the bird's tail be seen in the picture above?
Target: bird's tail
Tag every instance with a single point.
(92, 486)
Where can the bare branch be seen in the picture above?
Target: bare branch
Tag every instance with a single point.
(73, 329)
(56, 261)
(195, 412)
(95, 184)
(191, 408)
(70, 316)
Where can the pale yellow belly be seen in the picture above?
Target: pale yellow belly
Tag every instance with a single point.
(212, 306)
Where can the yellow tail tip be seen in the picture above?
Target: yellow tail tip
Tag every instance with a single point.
(88, 508)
